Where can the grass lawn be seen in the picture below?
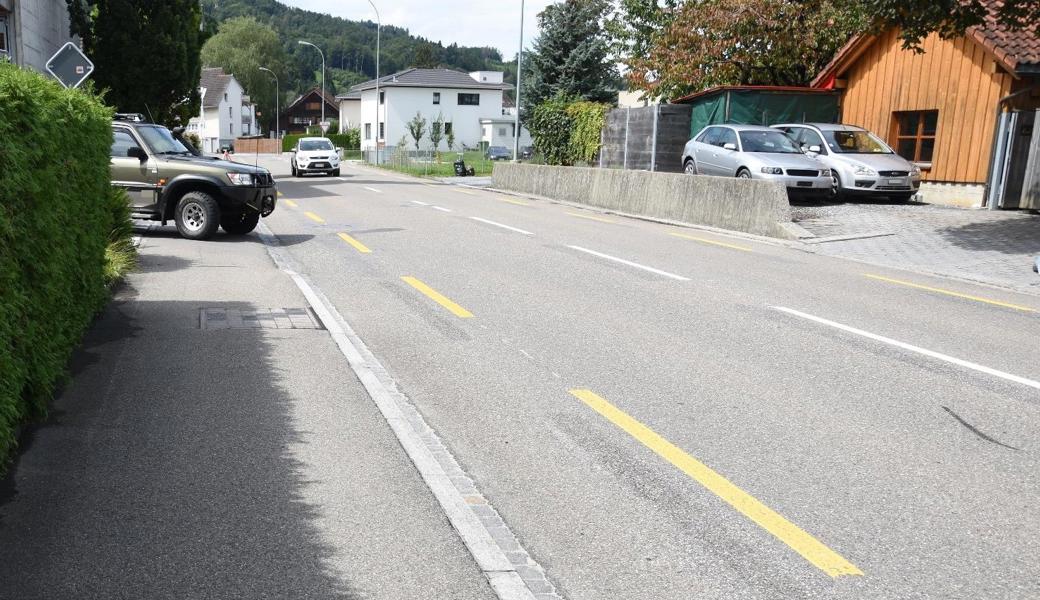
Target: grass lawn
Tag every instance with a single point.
(444, 168)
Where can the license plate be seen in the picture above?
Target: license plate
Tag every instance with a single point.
(804, 184)
(320, 165)
(895, 182)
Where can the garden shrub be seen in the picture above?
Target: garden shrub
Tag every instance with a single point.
(351, 140)
(56, 218)
(567, 131)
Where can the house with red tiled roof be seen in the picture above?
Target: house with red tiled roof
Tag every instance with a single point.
(964, 109)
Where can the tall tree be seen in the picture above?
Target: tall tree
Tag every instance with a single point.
(745, 42)
(571, 55)
(241, 46)
(146, 54)
(636, 24)
(950, 18)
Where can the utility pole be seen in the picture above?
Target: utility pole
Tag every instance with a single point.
(519, 64)
(379, 26)
(322, 76)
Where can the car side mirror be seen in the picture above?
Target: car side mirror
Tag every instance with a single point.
(814, 149)
(137, 152)
(730, 146)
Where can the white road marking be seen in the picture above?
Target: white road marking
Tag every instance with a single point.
(911, 348)
(630, 263)
(419, 203)
(373, 190)
(441, 208)
(412, 431)
(342, 178)
(502, 226)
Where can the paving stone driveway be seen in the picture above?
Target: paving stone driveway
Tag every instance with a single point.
(994, 247)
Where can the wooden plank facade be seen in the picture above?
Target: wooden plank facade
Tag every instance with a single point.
(958, 78)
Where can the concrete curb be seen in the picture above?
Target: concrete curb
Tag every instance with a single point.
(489, 540)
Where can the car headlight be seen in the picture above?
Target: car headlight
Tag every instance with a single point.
(915, 170)
(772, 170)
(865, 170)
(240, 178)
(825, 172)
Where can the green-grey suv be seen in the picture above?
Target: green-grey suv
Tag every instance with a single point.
(168, 179)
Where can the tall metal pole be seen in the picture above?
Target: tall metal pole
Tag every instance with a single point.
(277, 110)
(379, 26)
(519, 63)
(322, 77)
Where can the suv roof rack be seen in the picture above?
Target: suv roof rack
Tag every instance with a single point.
(134, 117)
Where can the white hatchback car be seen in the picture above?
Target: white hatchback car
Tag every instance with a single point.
(861, 164)
(314, 155)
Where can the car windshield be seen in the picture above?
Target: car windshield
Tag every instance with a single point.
(311, 145)
(767, 141)
(855, 142)
(161, 141)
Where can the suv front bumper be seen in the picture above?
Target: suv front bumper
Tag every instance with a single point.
(260, 199)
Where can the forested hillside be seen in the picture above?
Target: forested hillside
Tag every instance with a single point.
(349, 46)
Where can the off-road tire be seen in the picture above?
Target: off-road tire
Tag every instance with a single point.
(197, 216)
(240, 223)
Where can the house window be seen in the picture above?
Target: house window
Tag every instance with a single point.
(382, 130)
(469, 99)
(382, 97)
(501, 132)
(225, 96)
(436, 97)
(5, 47)
(312, 106)
(368, 131)
(231, 128)
(915, 134)
(447, 128)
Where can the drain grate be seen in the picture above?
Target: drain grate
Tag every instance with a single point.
(260, 318)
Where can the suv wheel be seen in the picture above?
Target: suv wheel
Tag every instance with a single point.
(295, 171)
(197, 216)
(335, 173)
(240, 223)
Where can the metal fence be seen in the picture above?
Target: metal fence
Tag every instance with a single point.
(649, 138)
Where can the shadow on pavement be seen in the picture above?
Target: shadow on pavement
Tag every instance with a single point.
(166, 470)
(221, 238)
(1007, 235)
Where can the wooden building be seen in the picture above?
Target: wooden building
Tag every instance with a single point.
(964, 110)
(306, 110)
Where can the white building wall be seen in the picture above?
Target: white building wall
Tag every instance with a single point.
(37, 29)
(350, 114)
(402, 104)
(500, 133)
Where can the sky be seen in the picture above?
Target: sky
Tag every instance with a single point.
(494, 23)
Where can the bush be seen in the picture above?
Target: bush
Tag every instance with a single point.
(54, 228)
(567, 131)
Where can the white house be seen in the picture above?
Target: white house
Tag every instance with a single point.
(349, 110)
(226, 114)
(31, 31)
(461, 99)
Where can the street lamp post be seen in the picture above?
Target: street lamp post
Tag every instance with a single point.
(322, 76)
(379, 26)
(519, 62)
(277, 124)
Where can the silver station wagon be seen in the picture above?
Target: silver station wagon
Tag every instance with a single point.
(861, 164)
(754, 152)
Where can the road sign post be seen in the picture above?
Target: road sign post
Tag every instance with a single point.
(70, 66)
(325, 127)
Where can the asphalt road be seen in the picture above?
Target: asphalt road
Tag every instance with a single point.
(660, 412)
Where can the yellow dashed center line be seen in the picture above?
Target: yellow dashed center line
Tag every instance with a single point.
(436, 296)
(280, 194)
(801, 542)
(712, 242)
(462, 191)
(950, 293)
(516, 202)
(356, 244)
(591, 218)
(314, 217)
(291, 203)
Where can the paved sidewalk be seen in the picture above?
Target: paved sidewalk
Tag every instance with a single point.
(213, 443)
(993, 247)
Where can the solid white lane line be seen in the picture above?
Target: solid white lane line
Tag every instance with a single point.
(911, 348)
(441, 208)
(502, 226)
(630, 263)
(419, 203)
(342, 178)
(373, 190)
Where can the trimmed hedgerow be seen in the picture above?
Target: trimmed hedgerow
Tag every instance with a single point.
(56, 219)
(566, 130)
(351, 140)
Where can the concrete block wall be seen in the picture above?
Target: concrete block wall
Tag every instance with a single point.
(750, 206)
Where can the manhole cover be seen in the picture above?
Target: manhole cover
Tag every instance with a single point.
(260, 318)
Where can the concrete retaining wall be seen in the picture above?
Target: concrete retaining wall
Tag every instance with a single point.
(751, 206)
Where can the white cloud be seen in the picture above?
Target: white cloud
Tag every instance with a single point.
(494, 23)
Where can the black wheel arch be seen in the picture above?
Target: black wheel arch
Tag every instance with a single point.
(178, 186)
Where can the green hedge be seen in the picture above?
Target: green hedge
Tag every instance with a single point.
(56, 219)
(351, 140)
(566, 131)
